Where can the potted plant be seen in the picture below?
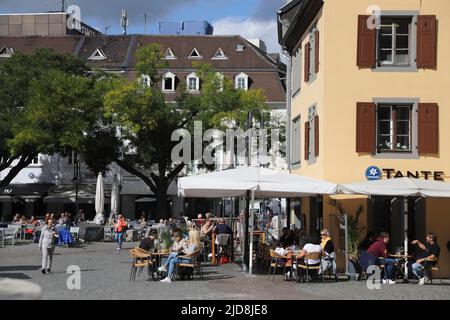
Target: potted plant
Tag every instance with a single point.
(166, 242)
(353, 230)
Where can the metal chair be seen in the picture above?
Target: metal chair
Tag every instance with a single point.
(141, 259)
(9, 235)
(309, 267)
(195, 264)
(277, 261)
(223, 242)
(330, 259)
(430, 266)
(75, 233)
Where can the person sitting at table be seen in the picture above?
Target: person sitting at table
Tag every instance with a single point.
(427, 255)
(379, 250)
(287, 238)
(17, 218)
(188, 248)
(142, 222)
(148, 243)
(328, 255)
(34, 221)
(223, 228)
(367, 242)
(23, 220)
(312, 246)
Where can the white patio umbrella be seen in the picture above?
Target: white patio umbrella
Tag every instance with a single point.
(400, 187)
(99, 200)
(115, 197)
(259, 182)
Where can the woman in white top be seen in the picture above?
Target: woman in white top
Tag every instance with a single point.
(188, 247)
(312, 246)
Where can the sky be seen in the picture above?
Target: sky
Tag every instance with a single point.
(248, 18)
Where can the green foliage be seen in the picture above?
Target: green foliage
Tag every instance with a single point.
(354, 230)
(166, 240)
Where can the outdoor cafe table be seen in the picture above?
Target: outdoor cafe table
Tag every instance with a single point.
(403, 260)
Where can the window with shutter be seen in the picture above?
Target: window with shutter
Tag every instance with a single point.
(316, 51)
(426, 42)
(428, 128)
(365, 127)
(366, 46)
(316, 136)
(307, 140)
(295, 141)
(307, 60)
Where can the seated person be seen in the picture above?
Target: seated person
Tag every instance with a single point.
(368, 241)
(287, 238)
(148, 243)
(428, 251)
(312, 245)
(187, 247)
(207, 229)
(17, 218)
(379, 250)
(328, 255)
(34, 221)
(223, 228)
(23, 220)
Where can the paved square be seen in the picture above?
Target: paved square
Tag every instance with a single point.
(105, 274)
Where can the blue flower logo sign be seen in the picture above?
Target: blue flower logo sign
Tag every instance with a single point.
(373, 173)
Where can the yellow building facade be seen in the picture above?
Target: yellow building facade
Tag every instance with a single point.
(369, 89)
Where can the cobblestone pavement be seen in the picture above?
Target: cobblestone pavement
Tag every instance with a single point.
(105, 275)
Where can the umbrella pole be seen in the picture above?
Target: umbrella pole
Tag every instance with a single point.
(252, 216)
(246, 224)
(406, 233)
(346, 244)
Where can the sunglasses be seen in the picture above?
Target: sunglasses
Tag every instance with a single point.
(323, 234)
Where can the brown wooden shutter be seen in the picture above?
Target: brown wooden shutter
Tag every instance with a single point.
(366, 56)
(307, 140)
(316, 50)
(307, 60)
(428, 128)
(316, 136)
(365, 127)
(426, 42)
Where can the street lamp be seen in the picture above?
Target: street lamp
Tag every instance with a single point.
(76, 178)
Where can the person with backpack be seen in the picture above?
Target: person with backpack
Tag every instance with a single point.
(120, 228)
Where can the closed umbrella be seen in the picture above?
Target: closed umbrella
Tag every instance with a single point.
(99, 200)
(115, 196)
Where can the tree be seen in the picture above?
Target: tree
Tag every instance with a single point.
(45, 100)
(146, 120)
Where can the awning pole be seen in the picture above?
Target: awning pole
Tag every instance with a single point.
(406, 233)
(252, 217)
(346, 243)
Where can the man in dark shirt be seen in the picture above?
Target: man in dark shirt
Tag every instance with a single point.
(148, 243)
(367, 242)
(428, 255)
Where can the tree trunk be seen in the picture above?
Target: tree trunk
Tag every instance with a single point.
(161, 202)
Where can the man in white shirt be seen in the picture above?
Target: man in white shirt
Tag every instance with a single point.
(312, 246)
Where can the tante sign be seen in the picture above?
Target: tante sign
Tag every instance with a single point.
(374, 173)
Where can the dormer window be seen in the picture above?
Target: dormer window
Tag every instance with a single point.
(195, 54)
(169, 55)
(240, 47)
(241, 81)
(193, 82)
(145, 80)
(219, 55)
(6, 52)
(98, 55)
(168, 83)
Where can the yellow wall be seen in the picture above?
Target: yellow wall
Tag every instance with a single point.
(340, 85)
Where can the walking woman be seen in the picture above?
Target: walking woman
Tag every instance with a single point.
(119, 228)
(47, 245)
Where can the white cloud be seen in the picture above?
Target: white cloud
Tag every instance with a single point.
(250, 28)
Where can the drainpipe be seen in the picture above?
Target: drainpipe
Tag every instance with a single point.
(288, 56)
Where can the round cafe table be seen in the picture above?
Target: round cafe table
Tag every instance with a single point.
(403, 260)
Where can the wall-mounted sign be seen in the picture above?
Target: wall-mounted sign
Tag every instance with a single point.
(427, 175)
(373, 173)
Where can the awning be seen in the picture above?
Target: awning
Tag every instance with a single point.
(5, 199)
(67, 194)
(145, 199)
(137, 187)
(28, 189)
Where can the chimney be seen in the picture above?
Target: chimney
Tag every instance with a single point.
(258, 43)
